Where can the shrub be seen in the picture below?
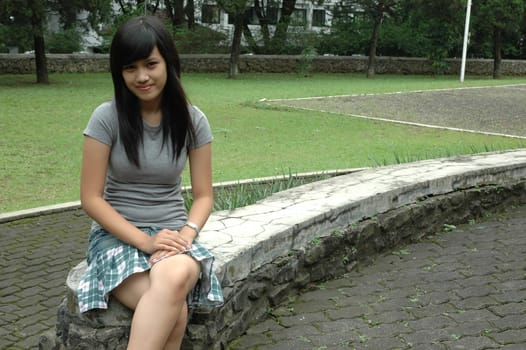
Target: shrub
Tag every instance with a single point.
(305, 64)
(66, 41)
(200, 40)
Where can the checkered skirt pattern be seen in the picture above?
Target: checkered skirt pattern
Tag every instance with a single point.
(111, 261)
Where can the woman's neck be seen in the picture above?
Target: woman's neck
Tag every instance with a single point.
(151, 113)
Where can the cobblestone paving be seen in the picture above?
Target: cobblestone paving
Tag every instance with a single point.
(463, 289)
(498, 110)
(36, 256)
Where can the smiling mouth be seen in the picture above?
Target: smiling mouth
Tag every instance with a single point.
(144, 88)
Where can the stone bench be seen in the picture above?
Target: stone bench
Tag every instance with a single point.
(269, 251)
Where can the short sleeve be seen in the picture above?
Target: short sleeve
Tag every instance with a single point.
(103, 124)
(203, 132)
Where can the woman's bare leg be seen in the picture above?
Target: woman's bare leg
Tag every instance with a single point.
(175, 339)
(159, 301)
(130, 291)
(131, 299)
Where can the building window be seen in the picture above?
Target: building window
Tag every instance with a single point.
(318, 18)
(210, 14)
(251, 16)
(299, 17)
(271, 14)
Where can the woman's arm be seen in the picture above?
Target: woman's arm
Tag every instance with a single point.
(203, 198)
(202, 192)
(93, 176)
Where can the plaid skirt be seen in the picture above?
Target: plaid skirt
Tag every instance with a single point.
(111, 261)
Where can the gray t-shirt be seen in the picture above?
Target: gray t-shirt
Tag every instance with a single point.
(149, 195)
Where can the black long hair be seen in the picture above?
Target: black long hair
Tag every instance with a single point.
(135, 40)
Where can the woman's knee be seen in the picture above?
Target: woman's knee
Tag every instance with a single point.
(175, 276)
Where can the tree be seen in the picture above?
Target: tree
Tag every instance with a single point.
(347, 36)
(442, 24)
(37, 13)
(175, 9)
(494, 19)
(280, 35)
(15, 26)
(376, 10)
(266, 12)
(236, 9)
(31, 13)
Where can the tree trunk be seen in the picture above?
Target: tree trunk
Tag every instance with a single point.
(189, 10)
(124, 7)
(176, 9)
(280, 35)
(155, 7)
(263, 23)
(37, 23)
(497, 53)
(371, 62)
(236, 46)
(251, 42)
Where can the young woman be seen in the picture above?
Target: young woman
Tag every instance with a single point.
(142, 245)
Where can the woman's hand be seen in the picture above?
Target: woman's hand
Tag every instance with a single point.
(161, 255)
(177, 242)
(167, 240)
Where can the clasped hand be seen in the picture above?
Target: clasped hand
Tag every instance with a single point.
(166, 243)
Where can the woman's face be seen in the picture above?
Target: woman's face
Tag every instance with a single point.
(146, 78)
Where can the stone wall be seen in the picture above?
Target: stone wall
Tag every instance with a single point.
(277, 247)
(333, 254)
(217, 63)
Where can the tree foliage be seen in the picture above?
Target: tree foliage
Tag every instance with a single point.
(442, 30)
(432, 29)
(413, 28)
(498, 24)
(15, 25)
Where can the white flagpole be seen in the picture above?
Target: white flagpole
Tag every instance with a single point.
(466, 38)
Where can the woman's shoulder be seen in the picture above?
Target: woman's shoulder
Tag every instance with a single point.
(201, 126)
(198, 116)
(195, 112)
(103, 122)
(106, 113)
(106, 108)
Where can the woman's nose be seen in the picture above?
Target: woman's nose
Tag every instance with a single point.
(142, 75)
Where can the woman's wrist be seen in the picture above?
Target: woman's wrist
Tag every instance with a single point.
(189, 231)
(194, 227)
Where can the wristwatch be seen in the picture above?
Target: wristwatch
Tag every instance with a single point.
(193, 226)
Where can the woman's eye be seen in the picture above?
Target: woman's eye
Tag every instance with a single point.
(152, 64)
(128, 68)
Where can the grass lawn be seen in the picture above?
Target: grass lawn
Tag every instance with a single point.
(41, 129)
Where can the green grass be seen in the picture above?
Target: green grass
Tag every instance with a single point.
(41, 129)
(241, 193)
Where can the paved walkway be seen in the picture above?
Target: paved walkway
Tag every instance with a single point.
(464, 289)
(497, 110)
(36, 255)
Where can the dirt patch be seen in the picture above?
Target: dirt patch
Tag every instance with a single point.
(493, 110)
